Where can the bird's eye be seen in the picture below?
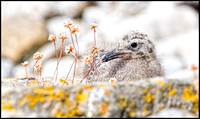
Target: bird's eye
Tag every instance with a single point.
(134, 45)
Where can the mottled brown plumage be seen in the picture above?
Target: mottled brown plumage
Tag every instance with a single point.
(133, 58)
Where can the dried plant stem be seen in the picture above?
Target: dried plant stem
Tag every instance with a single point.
(56, 59)
(73, 41)
(77, 61)
(34, 73)
(59, 57)
(69, 72)
(91, 66)
(77, 45)
(195, 75)
(74, 72)
(26, 75)
(94, 37)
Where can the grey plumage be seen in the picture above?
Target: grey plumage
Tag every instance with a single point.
(133, 58)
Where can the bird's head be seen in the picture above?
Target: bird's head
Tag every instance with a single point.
(134, 45)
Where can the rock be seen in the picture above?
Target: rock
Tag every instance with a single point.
(6, 67)
(151, 20)
(21, 37)
(172, 112)
(130, 8)
(43, 10)
(171, 64)
(183, 45)
(146, 97)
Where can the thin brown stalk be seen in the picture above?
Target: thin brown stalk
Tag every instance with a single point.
(74, 72)
(94, 37)
(69, 72)
(91, 66)
(56, 59)
(77, 60)
(26, 75)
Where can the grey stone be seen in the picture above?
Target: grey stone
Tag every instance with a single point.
(6, 67)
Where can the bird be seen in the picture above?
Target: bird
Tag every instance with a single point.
(133, 58)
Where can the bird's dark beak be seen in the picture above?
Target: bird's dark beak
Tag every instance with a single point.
(113, 54)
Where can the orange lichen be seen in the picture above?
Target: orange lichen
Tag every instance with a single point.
(111, 80)
(88, 86)
(107, 92)
(104, 108)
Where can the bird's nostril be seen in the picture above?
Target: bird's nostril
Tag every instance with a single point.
(134, 45)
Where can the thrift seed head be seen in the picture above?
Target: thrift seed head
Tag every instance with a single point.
(63, 36)
(52, 37)
(94, 50)
(38, 67)
(88, 59)
(74, 29)
(93, 25)
(67, 23)
(194, 67)
(37, 56)
(68, 49)
(25, 63)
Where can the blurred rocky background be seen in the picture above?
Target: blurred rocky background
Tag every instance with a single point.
(172, 26)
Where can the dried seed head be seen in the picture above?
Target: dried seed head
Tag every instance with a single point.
(111, 80)
(74, 29)
(52, 37)
(93, 25)
(88, 59)
(194, 67)
(25, 63)
(38, 67)
(63, 36)
(67, 23)
(37, 56)
(94, 50)
(68, 49)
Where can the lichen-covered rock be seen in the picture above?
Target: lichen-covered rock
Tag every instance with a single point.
(122, 99)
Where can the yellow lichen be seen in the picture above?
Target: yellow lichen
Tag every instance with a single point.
(7, 105)
(81, 96)
(172, 92)
(169, 85)
(149, 97)
(162, 83)
(65, 82)
(88, 86)
(58, 114)
(102, 85)
(131, 113)
(188, 94)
